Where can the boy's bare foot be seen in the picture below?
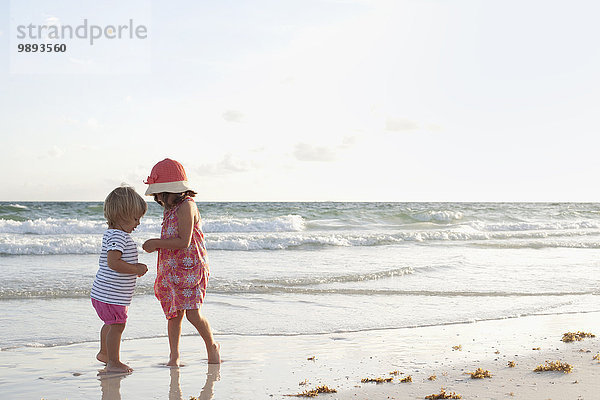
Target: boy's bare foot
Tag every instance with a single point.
(103, 358)
(214, 354)
(118, 367)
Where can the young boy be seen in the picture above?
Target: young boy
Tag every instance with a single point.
(118, 268)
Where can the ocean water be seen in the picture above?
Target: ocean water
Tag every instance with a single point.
(310, 268)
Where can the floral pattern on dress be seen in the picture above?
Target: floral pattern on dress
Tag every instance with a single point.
(182, 274)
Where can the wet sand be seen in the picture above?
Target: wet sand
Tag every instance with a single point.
(271, 367)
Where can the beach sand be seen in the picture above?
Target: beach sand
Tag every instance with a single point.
(271, 367)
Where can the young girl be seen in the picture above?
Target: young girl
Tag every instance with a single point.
(182, 271)
(115, 280)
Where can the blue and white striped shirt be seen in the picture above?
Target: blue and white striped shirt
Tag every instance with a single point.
(110, 286)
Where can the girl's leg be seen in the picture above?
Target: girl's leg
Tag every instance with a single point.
(203, 327)
(174, 330)
(102, 355)
(113, 346)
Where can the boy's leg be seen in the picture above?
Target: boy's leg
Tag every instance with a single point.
(113, 345)
(174, 331)
(201, 324)
(102, 355)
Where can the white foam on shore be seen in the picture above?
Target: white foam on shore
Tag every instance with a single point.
(65, 226)
(438, 216)
(88, 241)
(19, 206)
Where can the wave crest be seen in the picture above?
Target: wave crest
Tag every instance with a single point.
(55, 226)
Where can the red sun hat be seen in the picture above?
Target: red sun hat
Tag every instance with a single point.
(167, 176)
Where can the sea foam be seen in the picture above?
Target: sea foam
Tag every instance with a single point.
(56, 226)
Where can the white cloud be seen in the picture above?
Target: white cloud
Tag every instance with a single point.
(65, 119)
(229, 164)
(400, 124)
(233, 116)
(434, 127)
(55, 152)
(348, 142)
(88, 148)
(308, 152)
(93, 123)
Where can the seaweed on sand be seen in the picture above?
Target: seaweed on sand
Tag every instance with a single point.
(443, 395)
(576, 336)
(480, 374)
(376, 380)
(314, 392)
(554, 366)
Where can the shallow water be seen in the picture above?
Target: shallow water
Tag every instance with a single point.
(306, 268)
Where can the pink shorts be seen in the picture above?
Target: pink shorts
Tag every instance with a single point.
(110, 313)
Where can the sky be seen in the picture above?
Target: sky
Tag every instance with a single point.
(308, 100)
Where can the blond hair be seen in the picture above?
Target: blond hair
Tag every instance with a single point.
(123, 204)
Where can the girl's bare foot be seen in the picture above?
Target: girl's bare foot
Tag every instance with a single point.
(103, 358)
(174, 361)
(118, 366)
(214, 355)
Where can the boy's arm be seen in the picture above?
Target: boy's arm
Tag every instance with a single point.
(185, 217)
(114, 261)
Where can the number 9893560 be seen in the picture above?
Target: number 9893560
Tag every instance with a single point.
(41, 48)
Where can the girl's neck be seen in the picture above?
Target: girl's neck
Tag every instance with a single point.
(168, 205)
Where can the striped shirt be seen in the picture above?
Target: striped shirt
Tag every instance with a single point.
(110, 286)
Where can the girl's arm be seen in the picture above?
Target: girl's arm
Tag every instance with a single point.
(186, 214)
(114, 261)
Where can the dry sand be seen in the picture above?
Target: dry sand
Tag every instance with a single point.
(270, 367)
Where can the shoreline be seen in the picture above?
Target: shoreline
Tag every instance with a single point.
(274, 366)
(292, 335)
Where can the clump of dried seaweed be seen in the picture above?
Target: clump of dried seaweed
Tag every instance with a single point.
(576, 336)
(432, 378)
(407, 379)
(480, 374)
(443, 395)
(596, 357)
(395, 373)
(459, 347)
(554, 366)
(536, 348)
(313, 358)
(314, 392)
(376, 380)
(511, 364)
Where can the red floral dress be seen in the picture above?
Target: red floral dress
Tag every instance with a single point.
(182, 274)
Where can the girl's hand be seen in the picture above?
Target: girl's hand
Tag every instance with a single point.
(149, 246)
(141, 269)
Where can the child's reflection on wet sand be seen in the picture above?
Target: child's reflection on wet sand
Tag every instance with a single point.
(212, 375)
(110, 384)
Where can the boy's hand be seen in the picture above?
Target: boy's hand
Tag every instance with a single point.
(142, 269)
(149, 246)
